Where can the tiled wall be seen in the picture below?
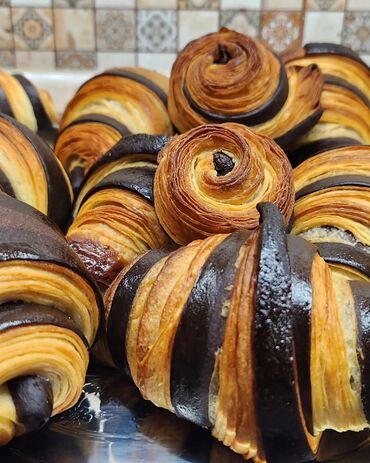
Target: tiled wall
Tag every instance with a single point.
(88, 34)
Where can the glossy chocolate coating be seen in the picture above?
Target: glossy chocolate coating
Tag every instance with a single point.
(5, 184)
(334, 181)
(4, 103)
(334, 80)
(332, 49)
(203, 322)
(345, 254)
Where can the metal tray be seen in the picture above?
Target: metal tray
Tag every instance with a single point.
(112, 424)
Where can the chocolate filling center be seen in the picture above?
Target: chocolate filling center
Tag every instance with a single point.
(223, 55)
(223, 163)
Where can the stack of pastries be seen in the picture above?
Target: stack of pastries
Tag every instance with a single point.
(215, 261)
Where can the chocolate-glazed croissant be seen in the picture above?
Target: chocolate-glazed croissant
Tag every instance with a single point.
(345, 98)
(84, 141)
(30, 172)
(31, 106)
(210, 179)
(231, 333)
(115, 220)
(230, 77)
(333, 207)
(49, 316)
(135, 97)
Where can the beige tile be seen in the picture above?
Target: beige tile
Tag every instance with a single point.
(6, 36)
(7, 59)
(287, 5)
(243, 21)
(281, 30)
(325, 5)
(78, 60)
(162, 4)
(236, 4)
(161, 62)
(33, 28)
(73, 3)
(35, 60)
(115, 3)
(323, 26)
(74, 29)
(31, 3)
(359, 5)
(194, 24)
(115, 59)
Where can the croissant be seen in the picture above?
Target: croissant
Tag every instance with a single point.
(135, 97)
(49, 315)
(345, 98)
(210, 179)
(333, 207)
(115, 220)
(31, 106)
(85, 140)
(231, 334)
(30, 172)
(230, 77)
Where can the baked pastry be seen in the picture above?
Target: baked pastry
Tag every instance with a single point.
(135, 97)
(230, 77)
(85, 140)
(31, 106)
(115, 219)
(30, 172)
(49, 316)
(231, 333)
(345, 98)
(333, 207)
(210, 179)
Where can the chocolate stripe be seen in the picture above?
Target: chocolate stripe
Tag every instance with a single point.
(203, 321)
(5, 106)
(100, 119)
(43, 120)
(122, 304)
(345, 254)
(361, 297)
(136, 179)
(334, 80)
(5, 184)
(301, 254)
(262, 114)
(332, 49)
(332, 182)
(309, 150)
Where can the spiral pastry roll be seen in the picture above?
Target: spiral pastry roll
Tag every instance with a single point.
(345, 98)
(31, 106)
(229, 77)
(30, 172)
(49, 316)
(231, 333)
(84, 141)
(115, 220)
(135, 97)
(333, 206)
(210, 179)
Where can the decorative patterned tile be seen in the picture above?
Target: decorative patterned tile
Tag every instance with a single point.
(7, 59)
(286, 5)
(115, 30)
(31, 3)
(115, 3)
(155, 4)
(325, 5)
(323, 26)
(360, 5)
(356, 31)
(73, 3)
(115, 59)
(6, 36)
(35, 60)
(238, 4)
(246, 22)
(33, 28)
(74, 29)
(199, 4)
(161, 62)
(281, 30)
(76, 59)
(194, 24)
(156, 30)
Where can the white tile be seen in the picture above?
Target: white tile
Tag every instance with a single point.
(31, 3)
(322, 26)
(194, 24)
(358, 5)
(157, 4)
(236, 4)
(35, 60)
(113, 59)
(366, 58)
(160, 62)
(115, 3)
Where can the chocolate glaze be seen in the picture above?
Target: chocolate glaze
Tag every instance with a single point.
(59, 199)
(278, 415)
(361, 297)
(332, 49)
(334, 80)
(5, 104)
(132, 144)
(202, 321)
(309, 150)
(345, 254)
(334, 181)
(259, 115)
(122, 305)
(76, 176)
(5, 184)
(136, 179)
(43, 120)
(100, 119)
(301, 254)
